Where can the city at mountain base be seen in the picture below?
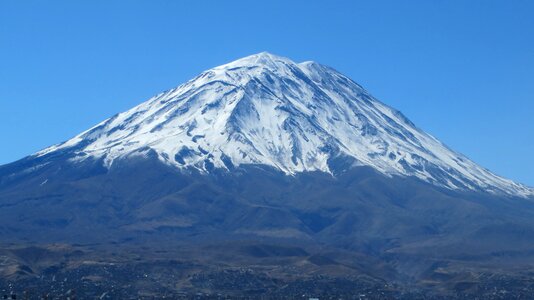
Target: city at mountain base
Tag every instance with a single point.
(246, 270)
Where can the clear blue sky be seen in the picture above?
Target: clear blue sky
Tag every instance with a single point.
(461, 70)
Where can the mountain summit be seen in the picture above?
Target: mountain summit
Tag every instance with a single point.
(295, 117)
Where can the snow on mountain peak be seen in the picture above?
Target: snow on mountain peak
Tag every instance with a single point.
(268, 110)
(262, 59)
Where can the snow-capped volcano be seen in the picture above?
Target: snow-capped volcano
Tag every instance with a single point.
(295, 117)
